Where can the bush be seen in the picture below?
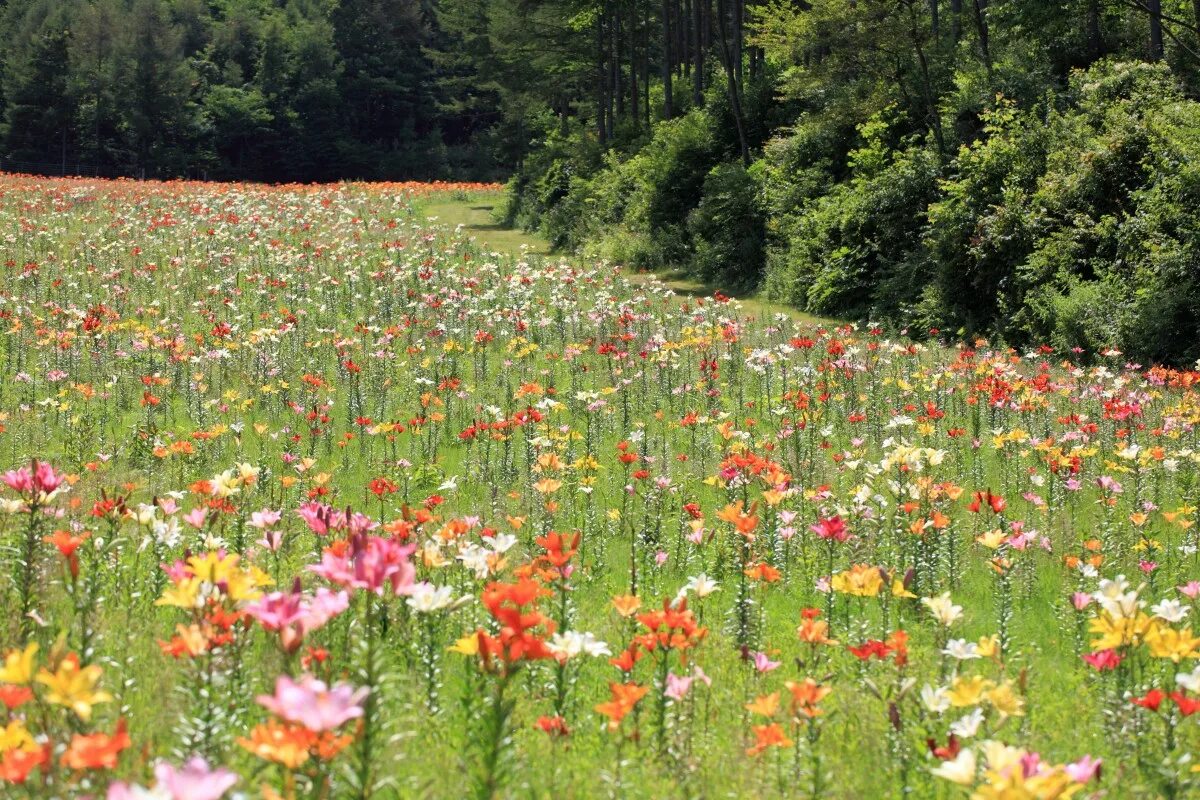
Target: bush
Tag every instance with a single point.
(1077, 227)
(856, 251)
(728, 228)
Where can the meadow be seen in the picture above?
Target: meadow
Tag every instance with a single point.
(310, 497)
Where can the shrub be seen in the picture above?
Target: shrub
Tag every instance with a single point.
(1077, 226)
(728, 227)
(856, 251)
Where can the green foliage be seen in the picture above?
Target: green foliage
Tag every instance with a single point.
(728, 226)
(1076, 226)
(259, 90)
(855, 251)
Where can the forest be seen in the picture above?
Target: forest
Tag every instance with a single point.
(949, 168)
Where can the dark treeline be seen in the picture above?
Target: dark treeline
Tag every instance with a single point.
(250, 89)
(1023, 167)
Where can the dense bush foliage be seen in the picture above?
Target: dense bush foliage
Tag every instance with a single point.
(1019, 171)
(1076, 226)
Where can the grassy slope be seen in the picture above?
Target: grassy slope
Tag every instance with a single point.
(476, 215)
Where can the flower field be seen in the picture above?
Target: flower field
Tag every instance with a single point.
(309, 499)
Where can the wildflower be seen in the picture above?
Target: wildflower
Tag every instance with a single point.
(15, 736)
(425, 598)
(961, 650)
(1083, 770)
(96, 751)
(313, 704)
(559, 549)
(764, 664)
(1102, 660)
(626, 605)
(805, 695)
(967, 726)
(294, 615)
(280, 743)
(831, 529)
(513, 606)
(38, 483)
(861, 580)
(968, 691)
(624, 697)
(66, 543)
(554, 726)
(195, 780)
(936, 700)
(266, 518)
(1187, 705)
(1164, 642)
(677, 687)
(1151, 700)
(569, 644)
(700, 585)
(16, 765)
(813, 630)
(961, 769)
(74, 687)
(371, 563)
(765, 705)
(18, 665)
(1170, 610)
(947, 753)
(764, 572)
(12, 697)
(1189, 681)
(996, 503)
(767, 736)
(943, 610)
(743, 522)
(1005, 700)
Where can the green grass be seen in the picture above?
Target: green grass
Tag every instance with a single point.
(477, 214)
(385, 351)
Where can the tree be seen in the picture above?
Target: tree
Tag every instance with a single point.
(39, 111)
(158, 111)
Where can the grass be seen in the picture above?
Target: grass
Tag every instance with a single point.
(196, 372)
(477, 213)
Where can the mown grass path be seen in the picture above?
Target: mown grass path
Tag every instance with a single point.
(477, 215)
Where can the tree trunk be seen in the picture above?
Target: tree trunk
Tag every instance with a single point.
(646, 62)
(698, 51)
(981, 27)
(618, 62)
(739, 17)
(668, 99)
(931, 107)
(1095, 42)
(1154, 9)
(635, 108)
(601, 103)
(735, 99)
